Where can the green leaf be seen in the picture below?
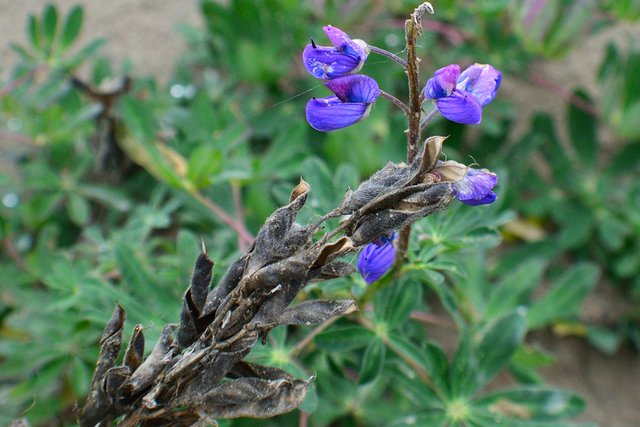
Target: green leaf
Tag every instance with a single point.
(80, 376)
(347, 338)
(514, 289)
(531, 404)
(319, 176)
(475, 365)
(110, 196)
(49, 24)
(433, 363)
(141, 146)
(604, 340)
(372, 361)
(204, 163)
(78, 209)
(394, 303)
(613, 232)
(82, 55)
(72, 26)
(33, 30)
(499, 344)
(625, 159)
(563, 300)
(570, 23)
(583, 131)
(427, 418)
(448, 300)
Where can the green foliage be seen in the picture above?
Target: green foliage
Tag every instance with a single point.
(621, 103)
(228, 135)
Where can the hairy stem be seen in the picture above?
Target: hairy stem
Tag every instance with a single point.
(425, 121)
(389, 55)
(412, 29)
(395, 101)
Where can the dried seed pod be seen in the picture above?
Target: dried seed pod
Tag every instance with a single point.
(148, 371)
(195, 300)
(135, 349)
(318, 311)
(253, 397)
(98, 405)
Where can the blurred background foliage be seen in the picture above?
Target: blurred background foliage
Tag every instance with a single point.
(117, 180)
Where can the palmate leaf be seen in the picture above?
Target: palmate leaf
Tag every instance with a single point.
(474, 366)
(394, 303)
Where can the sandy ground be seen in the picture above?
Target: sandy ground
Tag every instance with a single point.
(144, 31)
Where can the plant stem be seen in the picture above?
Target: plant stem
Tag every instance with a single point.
(236, 193)
(412, 29)
(422, 373)
(395, 101)
(239, 228)
(311, 335)
(433, 113)
(389, 55)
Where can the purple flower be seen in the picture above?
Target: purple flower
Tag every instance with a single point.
(461, 96)
(377, 258)
(476, 188)
(346, 56)
(350, 104)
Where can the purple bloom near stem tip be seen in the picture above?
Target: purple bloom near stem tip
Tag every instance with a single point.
(353, 96)
(346, 56)
(377, 258)
(461, 96)
(476, 188)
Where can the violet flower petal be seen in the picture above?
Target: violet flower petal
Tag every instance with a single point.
(482, 81)
(327, 114)
(337, 37)
(355, 88)
(476, 188)
(342, 42)
(489, 198)
(327, 63)
(443, 82)
(375, 260)
(460, 107)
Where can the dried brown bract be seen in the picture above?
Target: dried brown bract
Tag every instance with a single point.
(196, 373)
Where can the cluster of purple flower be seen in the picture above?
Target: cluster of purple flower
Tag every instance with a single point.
(458, 96)
(353, 93)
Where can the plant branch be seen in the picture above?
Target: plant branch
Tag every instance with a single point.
(412, 28)
(310, 336)
(425, 121)
(395, 101)
(419, 370)
(389, 55)
(238, 227)
(236, 193)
